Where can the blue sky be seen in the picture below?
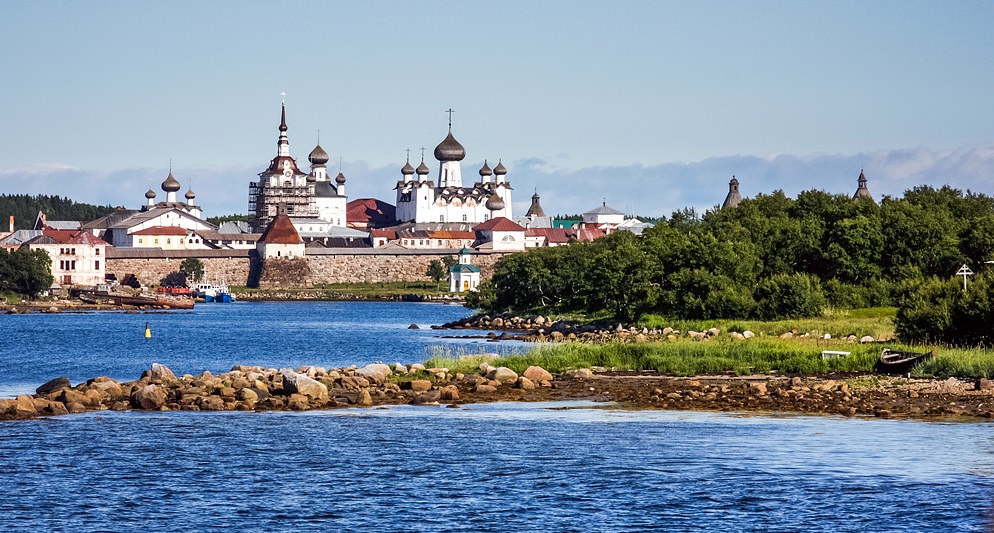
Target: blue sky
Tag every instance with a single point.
(651, 105)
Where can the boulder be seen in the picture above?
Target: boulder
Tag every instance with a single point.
(419, 385)
(524, 383)
(485, 388)
(537, 373)
(210, 403)
(364, 399)
(160, 374)
(295, 383)
(984, 384)
(748, 334)
(582, 373)
(119, 406)
(758, 389)
(503, 374)
(247, 395)
(149, 397)
(24, 406)
(378, 371)
(57, 408)
(427, 397)
(54, 385)
(298, 402)
(866, 339)
(449, 393)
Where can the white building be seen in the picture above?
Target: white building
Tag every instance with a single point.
(603, 215)
(420, 199)
(464, 276)
(500, 234)
(78, 257)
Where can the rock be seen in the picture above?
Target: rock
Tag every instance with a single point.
(68, 396)
(537, 373)
(376, 372)
(210, 403)
(364, 399)
(581, 373)
(796, 382)
(24, 406)
(261, 393)
(54, 385)
(294, 383)
(503, 374)
(984, 384)
(827, 336)
(416, 367)
(748, 334)
(485, 388)
(696, 335)
(248, 395)
(57, 408)
(787, 335)
(119, 406)
(149, 397)
(758, 389)
(736, 335)
(524, 383)
(76, 408)
(713, 332)
(449, 393)
(413, 326)
(419, 385)
(160, 374)
(865, 340)
(557, 336)
(298, 402)
(667, 330)
(400, 369)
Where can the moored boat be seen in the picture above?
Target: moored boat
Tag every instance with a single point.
(213, 292)
(900, 361)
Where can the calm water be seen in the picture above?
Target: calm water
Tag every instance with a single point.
(499, 467)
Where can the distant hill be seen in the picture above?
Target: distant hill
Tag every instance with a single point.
(25, 209)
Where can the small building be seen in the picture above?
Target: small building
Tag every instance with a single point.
(280, 239)
(861, 190)
(464, 276)
(500, 235)
(603, 215)
(733, 198)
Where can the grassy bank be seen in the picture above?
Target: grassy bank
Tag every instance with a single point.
(759, 355)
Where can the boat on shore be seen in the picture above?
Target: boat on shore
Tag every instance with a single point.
(141, 300)
(900, 361)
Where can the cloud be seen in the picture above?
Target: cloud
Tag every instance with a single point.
(650, 190)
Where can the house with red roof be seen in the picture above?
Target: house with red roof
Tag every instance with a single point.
(500, 234)
(78, 257)
(280, 239)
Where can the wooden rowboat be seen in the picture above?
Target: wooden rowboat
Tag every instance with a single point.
(900, 361)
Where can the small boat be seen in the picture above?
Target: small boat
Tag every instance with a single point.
(213, 292)
(900, 361)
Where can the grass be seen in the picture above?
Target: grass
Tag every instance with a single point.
(877, 323)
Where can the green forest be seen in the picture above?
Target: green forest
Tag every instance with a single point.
(774, 257)
(25, 209)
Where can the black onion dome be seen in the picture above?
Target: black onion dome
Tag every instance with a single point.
(449, 149)
(190, 195)
(150, 194)
(499, 169)
(423, 169)
(495, 203)
(318, 156)
(485, 170)
(340, 178)
(170, 184)
(408, 169)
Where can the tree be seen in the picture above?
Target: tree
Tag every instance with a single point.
(436, 271)
(174, 279)
(193, 268)
(25, 271)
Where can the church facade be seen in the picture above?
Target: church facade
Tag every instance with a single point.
(446, 199)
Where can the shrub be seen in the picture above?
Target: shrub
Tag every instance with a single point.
(789, 296)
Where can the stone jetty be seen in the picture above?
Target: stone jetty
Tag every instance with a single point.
(253, 388)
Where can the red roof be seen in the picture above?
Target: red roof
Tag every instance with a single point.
(385, 233)
(452, 234)
(281, 231)
(73, 237)
(369, 211)
(161, 230)
(553, 235)
(498, 224)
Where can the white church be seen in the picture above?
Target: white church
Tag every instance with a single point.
(448, 200)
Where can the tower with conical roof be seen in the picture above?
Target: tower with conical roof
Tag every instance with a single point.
(282, 184)
(861, 190)
(733, 197)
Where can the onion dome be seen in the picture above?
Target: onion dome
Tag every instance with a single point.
(190, 195)
(449, 149)
(150, 194)
(170, 184)
(311, 178)
(340, 179)
(499, 169)
(485, 172)
(408, 169)
(423, 169)
(318, 156)
(495, 203)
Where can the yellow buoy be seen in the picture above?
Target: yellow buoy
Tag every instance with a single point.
(148, 331)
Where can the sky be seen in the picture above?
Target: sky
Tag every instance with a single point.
(648, 106)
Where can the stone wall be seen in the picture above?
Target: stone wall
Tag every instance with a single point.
(325, 268)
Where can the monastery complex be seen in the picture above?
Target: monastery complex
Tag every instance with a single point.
(303, 229)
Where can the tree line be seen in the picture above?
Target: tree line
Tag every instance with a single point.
(771, 257)
(25, 209)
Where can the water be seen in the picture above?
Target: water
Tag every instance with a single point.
(497, 467)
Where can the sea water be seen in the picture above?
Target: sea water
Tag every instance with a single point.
(571, 466)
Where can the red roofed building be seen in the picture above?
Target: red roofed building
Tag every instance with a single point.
(166, 238)
(366, 213)
(280, 239)
(500, 234)
(78, 257)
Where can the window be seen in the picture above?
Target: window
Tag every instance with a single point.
(96, 251)
(156, 241)
(96, 265)
(168, 240)
(72, 265)
(441, 218)
(139, 240)
(464, 217)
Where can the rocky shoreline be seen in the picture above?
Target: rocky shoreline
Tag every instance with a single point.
(252, 388)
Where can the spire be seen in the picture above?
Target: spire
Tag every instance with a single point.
(861, 190)
(733, 198)
(536, 208)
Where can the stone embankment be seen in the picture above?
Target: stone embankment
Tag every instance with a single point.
(252, 388)
(541, 329)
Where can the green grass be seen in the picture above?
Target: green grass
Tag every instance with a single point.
(877, 323)
(12, 297)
